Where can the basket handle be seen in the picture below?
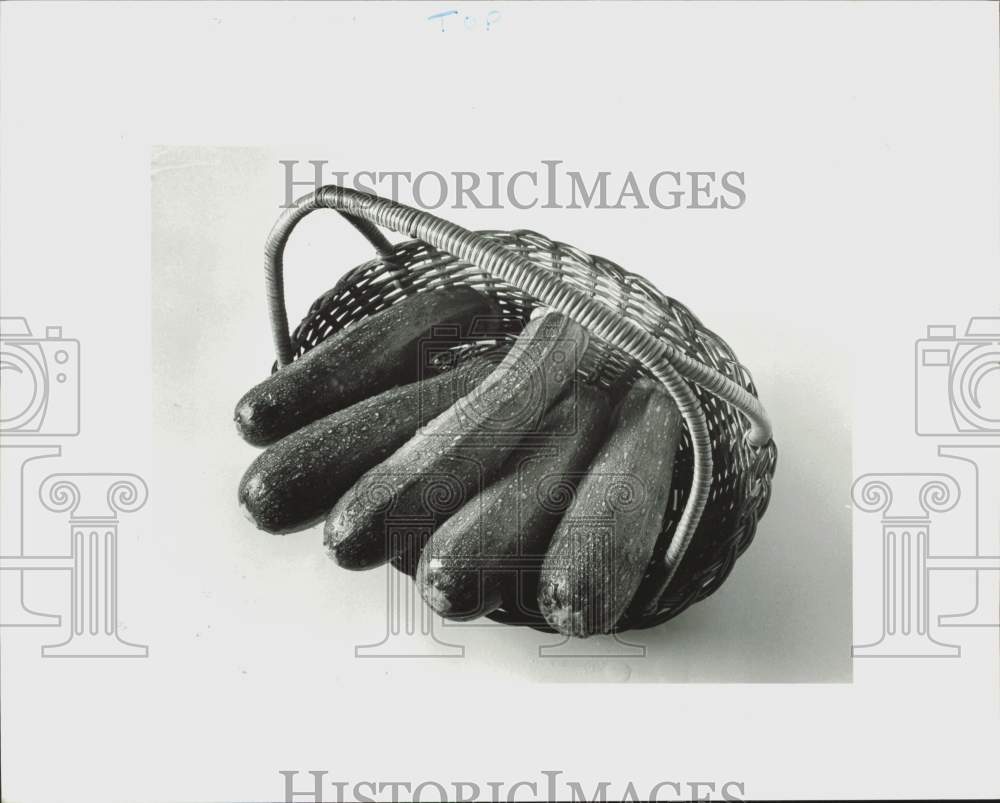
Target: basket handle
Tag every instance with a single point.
(661, 358)
(274, 273)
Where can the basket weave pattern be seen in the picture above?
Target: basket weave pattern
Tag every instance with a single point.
(732, 495)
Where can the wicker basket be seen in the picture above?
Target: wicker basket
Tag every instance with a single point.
(722, 474)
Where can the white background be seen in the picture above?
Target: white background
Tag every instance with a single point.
(868, 137)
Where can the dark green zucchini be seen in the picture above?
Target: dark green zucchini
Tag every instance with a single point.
(294, 482)
(458, 453)
(502, 534)
(603, 544)
(366, 358)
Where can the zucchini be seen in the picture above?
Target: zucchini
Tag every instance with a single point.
(601, 549)
(458, 453)
(294, 482)
(482, 550)
(699, 555)
(365, 358)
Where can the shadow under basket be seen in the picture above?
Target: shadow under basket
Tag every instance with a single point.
(722, 473)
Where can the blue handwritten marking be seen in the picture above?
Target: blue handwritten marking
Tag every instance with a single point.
(470, 22)
(441, 15)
